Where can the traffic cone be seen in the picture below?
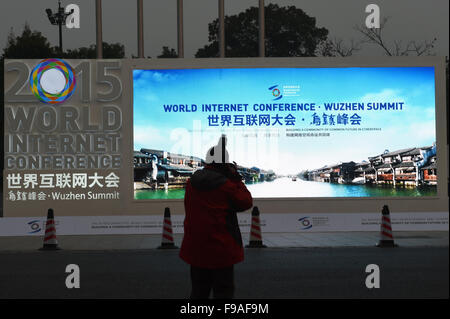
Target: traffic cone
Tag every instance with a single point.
(255, 231)
(167, 234)
(386, 237)
(50, 242)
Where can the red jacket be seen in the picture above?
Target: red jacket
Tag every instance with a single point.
(212, 238)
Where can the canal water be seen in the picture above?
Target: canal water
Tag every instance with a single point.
(285, 187)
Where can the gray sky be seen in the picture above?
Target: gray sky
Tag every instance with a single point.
(409, 20)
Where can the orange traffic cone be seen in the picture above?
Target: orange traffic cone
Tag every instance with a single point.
(167, 235)
(50, 242)
(386, 237)
(255, 231)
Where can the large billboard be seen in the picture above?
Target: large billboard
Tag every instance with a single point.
(309, 136)
(63, 137)
(294, 132)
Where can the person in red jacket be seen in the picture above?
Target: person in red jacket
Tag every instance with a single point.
(212, 241)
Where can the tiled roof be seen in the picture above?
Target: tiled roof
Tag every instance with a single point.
(416, 151)
(383, 166)
(394, 153)
(139, 154)
(431, 166)
(404, 164)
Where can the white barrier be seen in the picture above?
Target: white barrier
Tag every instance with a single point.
(270, 223)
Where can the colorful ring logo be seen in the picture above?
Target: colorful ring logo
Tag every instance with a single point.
(276, 92)
(52, 98)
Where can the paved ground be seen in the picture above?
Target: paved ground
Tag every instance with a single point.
(328, 265)
(335, 239)
(405, 272)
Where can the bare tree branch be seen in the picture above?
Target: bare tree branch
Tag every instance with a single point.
(337, 47)
(374, 36)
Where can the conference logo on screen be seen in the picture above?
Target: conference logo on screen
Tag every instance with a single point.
(290, 90)
(276, 93)
(52, 81)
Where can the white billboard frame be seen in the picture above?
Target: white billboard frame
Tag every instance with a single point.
(437, 203)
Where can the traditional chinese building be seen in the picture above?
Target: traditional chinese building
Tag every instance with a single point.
(408, 170)
(142, 166)
(409, 166)
(324, 174)
(313, 175)
(343, 173)
(429, 172)
(376, 160)
(363, 173)
(173, 158)
(385, 173)
(337, 173)
(161, 169)
(263, 175)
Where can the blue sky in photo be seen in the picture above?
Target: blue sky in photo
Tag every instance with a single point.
(173, 131)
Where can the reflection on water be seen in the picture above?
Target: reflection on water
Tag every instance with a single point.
(159, 194)
(285, 187)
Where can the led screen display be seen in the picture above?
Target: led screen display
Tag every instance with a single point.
(293, 132)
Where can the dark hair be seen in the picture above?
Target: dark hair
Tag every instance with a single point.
(222, 168)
